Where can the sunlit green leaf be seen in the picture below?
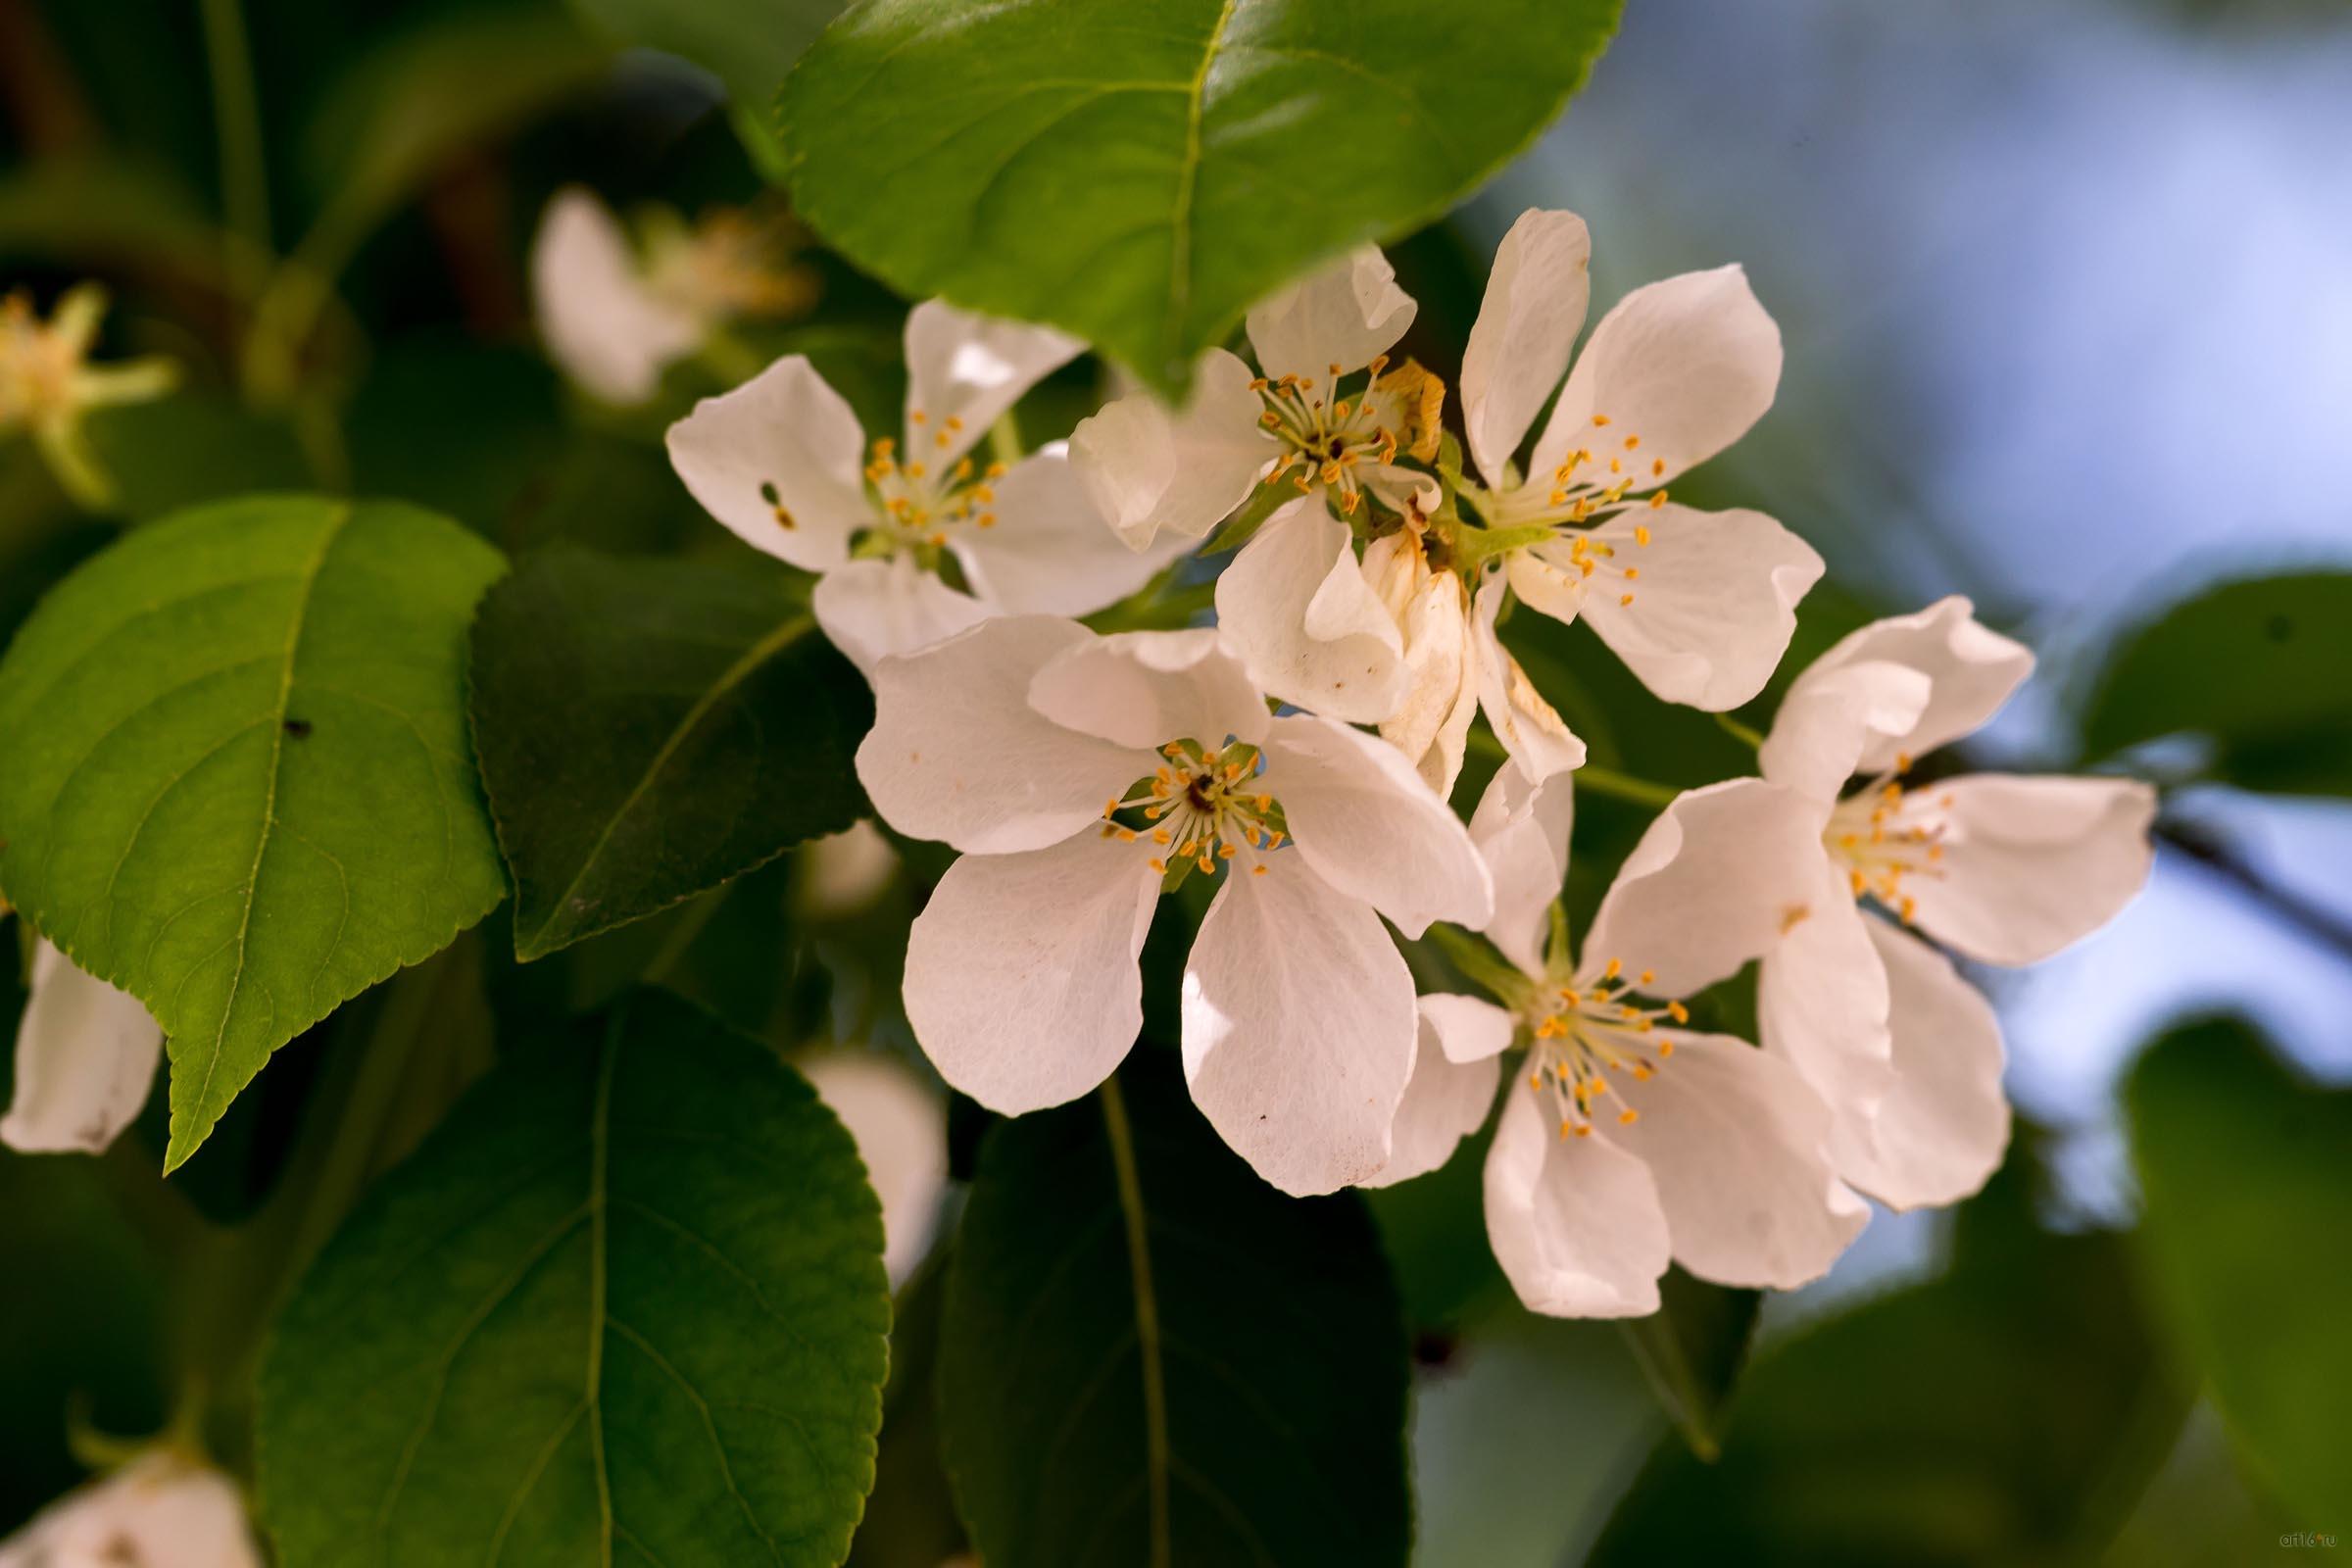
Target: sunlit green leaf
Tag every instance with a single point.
(648, 729)
(1142, 174)
(626, 1305)
(2248, 1178)
(2261, 670)
(1151, 1357)
(238, 783)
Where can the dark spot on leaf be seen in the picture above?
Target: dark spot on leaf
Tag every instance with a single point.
(2279, 628)
(1433, 1347)
(299, 728)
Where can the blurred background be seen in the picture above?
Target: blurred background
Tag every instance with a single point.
(2066, 291)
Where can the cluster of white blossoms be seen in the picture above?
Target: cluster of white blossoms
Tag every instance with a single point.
(1299, 757)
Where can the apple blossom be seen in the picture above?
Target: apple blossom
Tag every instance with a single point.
(86, 1055)
(2000, 869)
(778, 462)
(1079, 776)
(48, 384)
(1629, 1140)
(1293, 602)
(161, 1510)
(1699, 605)
(615, 320)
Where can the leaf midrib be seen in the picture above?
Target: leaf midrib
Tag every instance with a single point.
(1157, 1464)
(176, 1153)
(767, 648)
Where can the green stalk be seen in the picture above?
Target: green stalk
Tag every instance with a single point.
(237, 123)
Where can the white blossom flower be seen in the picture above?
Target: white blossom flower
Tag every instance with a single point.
(48, 384)
(2001, 870)
(1699, 605)
(842, 874)
(901, 1127)
(615, 318)
(782, 462)
(162, 1510)
(1078, 775)
(1629, 1140)
(86, 1055)
(1293, 602)
(1455, 663)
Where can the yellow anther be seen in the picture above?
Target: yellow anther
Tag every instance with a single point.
(1624, 599)
(1158, 864)
(1665, 1047)
(1679, 1013)
(1258, 870)
(1631, 573)
(1641, 533)
(1649, 977)
(954, 423)
(1631, 441)
(1600, 418)
(915, 470)
(916, 417)
(1657, 467)
(1657, 501)
(1628, 1116)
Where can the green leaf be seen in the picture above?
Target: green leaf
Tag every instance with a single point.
(626, 1304)
(238, 784)
(648, 729)
(1692, 1350)
(2010, 1412)
(2247, 1172)
(748, 44)
(2261, 669)
(1150, 1357)
(1141, 175)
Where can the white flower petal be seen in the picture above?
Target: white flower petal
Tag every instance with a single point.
(1830, 719)
(1527, 325)
(1467, 1029)
(1143, 689)
(2030, 865)
(1734, 1140)
(1973, 670)
(1710, 885)
(872, 609)
(963, 370)
(1298, 1026)
(1520, 829)
(842, 874)
(86, 1055)
(1432, 725)
(1575, 1223)
(1445, 1099)
(1048, 551)
(1364, 820)
(901, 1127)
(1149, 468)
(1022, 981)
(1530, 728)
(1940, 1131)
(161, 1510)
(1684, 366)
(603, 326)
(1346, 314)
(1295, 606)
(1712, 613)
(1821, 999)
(785, 432)
(957, 753)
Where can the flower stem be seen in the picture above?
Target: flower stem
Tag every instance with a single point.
(1739, 732)
(237, 123)
(1624, 786)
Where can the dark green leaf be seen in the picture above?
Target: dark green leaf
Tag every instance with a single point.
(2010, 1412)
(2261, 670)
(2248, 1177)
(627, 1303)
(748, 44)
(1142, 174)
(648, 729)
(178, 451)
(238, 784)
(1692, 1350)
(1151, 1357)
